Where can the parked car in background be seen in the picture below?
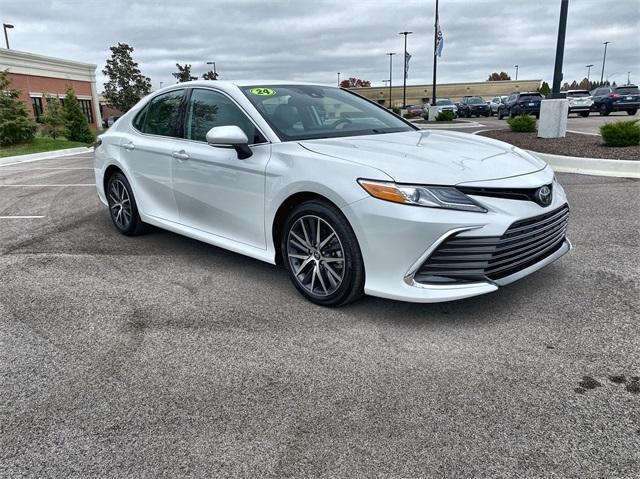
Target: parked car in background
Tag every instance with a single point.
(616, 98)
(363, 202)
(473, 106)
(444, 104)
(495, 103)
(580, 102)
(520, 103)
(109, 121)
(416, 110)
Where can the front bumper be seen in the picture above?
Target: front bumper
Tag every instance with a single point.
(396, 239)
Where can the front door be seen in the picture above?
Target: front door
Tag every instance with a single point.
(215, 191)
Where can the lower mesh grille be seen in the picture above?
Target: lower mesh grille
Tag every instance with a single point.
(467, 259)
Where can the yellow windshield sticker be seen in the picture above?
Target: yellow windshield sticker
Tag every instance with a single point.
(263, 91)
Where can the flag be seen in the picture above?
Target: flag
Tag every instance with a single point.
(439, 41)
(407, 57)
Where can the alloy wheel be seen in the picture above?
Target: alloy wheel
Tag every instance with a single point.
(120, 204)
(316, 255)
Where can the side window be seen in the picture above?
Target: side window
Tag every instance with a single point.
(162, 114)
(138, 121)
(208, 109)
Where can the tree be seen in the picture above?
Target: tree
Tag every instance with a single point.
(184, 73)
(53, 118)
(544, 89)
(76, 124)
(15, 124)
(495, 76)
(126, 85)
(354, 83)
(210, 75)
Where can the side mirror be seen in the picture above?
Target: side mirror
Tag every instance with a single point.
(231, 136)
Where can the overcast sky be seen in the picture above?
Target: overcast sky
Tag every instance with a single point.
(313, 40)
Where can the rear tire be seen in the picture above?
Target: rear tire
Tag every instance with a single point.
(500, 115)
(604, 111)
(584, 114)
(631, 112)
(122, 206)
(322, 255)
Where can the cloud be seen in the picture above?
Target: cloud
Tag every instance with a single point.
(313, 40)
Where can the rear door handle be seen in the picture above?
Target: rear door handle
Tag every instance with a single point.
(180, 155)
(129, 146)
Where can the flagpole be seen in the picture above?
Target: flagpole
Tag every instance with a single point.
(435, 57)
(404, 85)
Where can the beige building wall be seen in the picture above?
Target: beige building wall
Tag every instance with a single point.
(419, 94)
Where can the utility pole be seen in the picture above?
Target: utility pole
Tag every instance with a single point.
(562, 31)
(404, 85)
(435, 57)
(517, 66)
(390, 76)
(604, 59)
(338, 79)
(589, 75)
(628, 78)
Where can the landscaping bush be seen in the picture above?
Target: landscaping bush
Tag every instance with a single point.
(446, 116)
(76, 125)
(396, 110)
(522, 124)
(621, 133)
(15, 124)
(53, 118)
(408, 115)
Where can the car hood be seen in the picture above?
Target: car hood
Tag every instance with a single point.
(431, 157)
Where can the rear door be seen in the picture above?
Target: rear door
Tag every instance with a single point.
(148, 154)
(215, 191)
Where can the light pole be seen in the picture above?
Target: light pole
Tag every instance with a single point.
(404, 84)
(562, 32)
(161, 83)
(215, 73)
(517, 66)
(390, 76)
(604, 59)
(338, 79)
(588, 67)
(6, 37)
(628, 78)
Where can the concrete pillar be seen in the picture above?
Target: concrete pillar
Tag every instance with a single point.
(433, 112)
(96, 105)
(553, 118)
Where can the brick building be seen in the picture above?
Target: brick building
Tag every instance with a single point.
(37, 76)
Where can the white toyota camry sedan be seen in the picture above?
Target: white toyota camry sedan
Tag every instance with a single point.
(350, 197)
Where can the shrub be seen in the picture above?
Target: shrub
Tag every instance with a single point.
(522, 124)
(53, 118)
(408, 115)
(76, 125)
(15, 124)
(446, 116)
(621, 133)
(396, 110)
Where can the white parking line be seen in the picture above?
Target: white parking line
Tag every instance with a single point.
(44, 186)
(20, 217)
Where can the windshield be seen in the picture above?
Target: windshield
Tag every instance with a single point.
(475, 100)
(303, 112)
(444, 102)
(578, 93)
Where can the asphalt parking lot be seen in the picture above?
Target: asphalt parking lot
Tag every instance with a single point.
(159, 356)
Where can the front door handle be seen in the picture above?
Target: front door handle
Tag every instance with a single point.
(180, 155)
(129, 146)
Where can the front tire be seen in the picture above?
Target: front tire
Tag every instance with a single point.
(584, 114)
(631, 112)
(123, 207)
(322, 255)
(604, 111)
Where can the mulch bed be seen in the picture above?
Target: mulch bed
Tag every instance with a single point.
(574, 144)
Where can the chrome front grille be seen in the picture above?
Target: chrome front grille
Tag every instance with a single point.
(468, 259)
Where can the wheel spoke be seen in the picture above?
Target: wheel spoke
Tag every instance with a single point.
(318, 235)
(332, 272)
(304, 264)
(319, 273)
(298, 256)
(301, 241)
(304, 232)
(326, 240)
(333, 260)
(313, 278)
(299, 246)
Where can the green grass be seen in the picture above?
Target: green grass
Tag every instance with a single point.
(38, 145)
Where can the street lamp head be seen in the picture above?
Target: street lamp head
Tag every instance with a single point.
(405, 33)
(7, 25)
(590, 65)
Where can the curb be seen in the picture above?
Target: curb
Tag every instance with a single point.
(45, 155)
(591, 166)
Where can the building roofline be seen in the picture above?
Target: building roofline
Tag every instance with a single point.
(25, 63)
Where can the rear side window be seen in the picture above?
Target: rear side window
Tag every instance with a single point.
(208, 109)
(162, 115)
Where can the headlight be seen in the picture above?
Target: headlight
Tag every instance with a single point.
(429, 196)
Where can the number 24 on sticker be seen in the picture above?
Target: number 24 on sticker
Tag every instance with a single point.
(263, 91)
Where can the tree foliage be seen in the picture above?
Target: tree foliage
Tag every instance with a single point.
(544, 89)
(126, 85)
(53, 118)
(210, 75)
(184, 73)
(354, 83)
(15, 124)
(76, 125)
(502, 76)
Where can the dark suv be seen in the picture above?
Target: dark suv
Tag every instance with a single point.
(520, 103)
(473, 105)
(616, 98)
